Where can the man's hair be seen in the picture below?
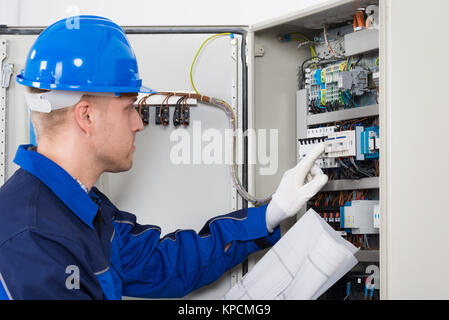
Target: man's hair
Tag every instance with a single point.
(47, 124)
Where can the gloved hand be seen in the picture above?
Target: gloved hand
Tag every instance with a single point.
(297, 186)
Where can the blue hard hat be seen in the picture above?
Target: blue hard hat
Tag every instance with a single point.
(83, 53)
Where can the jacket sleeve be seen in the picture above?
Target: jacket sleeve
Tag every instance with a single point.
(43, 266)
(184, 260)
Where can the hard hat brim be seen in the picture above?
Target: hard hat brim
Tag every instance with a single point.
(144, 89)
(53, 86)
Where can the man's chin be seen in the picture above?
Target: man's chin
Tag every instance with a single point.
(121, 168)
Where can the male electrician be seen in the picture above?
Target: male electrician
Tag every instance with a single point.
(60, 237)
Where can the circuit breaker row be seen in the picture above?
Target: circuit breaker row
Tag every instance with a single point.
(361, 143)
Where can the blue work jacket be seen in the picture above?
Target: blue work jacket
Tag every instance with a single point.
(59, 242)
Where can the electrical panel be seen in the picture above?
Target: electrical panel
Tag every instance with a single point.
(337, 104)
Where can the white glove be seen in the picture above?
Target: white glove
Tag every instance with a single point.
(297, 186)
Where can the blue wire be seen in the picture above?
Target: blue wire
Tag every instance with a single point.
(355, 104)
(349, 97)
(318, 105)
(344, 100)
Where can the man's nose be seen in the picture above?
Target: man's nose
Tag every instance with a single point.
(137, 123)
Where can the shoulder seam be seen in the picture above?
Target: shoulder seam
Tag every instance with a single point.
(39, 232)
(15, 235)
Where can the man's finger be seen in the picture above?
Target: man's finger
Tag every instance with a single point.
(306, 164)
(316, 171)
(313, 172)
(314, 186)
(309, 177)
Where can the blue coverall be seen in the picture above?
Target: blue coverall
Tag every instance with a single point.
(51, 230)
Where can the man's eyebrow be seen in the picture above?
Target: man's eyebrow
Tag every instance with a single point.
(133, 100)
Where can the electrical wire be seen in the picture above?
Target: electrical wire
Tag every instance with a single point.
(341, 162)
(365, 240)
(223, 105)
(166, 106)
(234, 168)
(184, 105)
(358, 60)
(348, 290)
(301, 78)
(304, 40)
(180, 110)
(351, 100)
(198, 52)
(230, 113)
(327, 41)
(307, 41)
(357, 168)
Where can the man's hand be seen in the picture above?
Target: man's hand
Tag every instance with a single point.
(297, 186)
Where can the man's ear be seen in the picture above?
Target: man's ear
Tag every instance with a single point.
(83, 116)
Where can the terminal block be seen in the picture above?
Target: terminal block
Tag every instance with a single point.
(162, 116)
(335, 86)
(186, 115)
(144, 114)
(177, 116)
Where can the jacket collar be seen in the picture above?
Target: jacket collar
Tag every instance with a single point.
(59, 181)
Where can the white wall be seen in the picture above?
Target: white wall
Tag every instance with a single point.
(150, 12)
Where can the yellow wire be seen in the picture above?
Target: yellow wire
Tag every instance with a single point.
(300, 34)
(196, 56)
(313, 53)
(312, 48)
(305, 38)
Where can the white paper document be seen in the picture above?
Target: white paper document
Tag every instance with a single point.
(303, 264)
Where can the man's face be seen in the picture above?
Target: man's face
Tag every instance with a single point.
(115, 131)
